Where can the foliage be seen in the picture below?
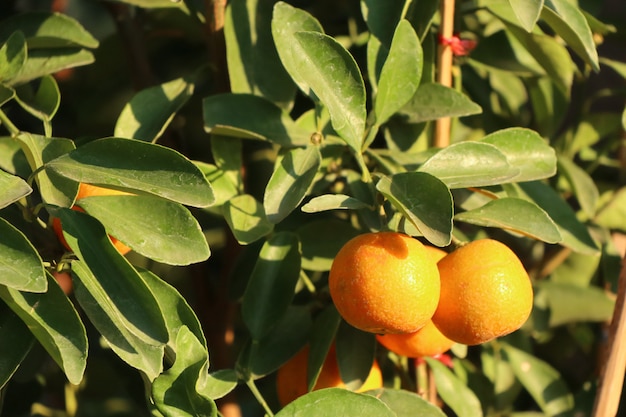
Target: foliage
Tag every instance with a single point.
(245, 192)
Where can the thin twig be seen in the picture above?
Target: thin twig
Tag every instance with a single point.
(444, 69)
(612, 376)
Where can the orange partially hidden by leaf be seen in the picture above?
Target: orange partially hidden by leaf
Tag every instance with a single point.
(88, 190)
(64, 279)
(427, 341)
(291, 378)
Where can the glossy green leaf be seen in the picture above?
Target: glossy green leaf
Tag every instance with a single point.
(514, 214)
(220, 383)
(470, 164)
(322, 337)
(355, 351)
(271, 286)
(570, 24)
(453, 391)
(158, 229)
(564, 301)
(333, 202)
(246, 218)
(135, 165)
(424, 200)
(382, 18)
(527, 12)
(227, 154)
(48, 30)
(111, 280)
(405, 403)
(582, 184)
(55, 323)
(613, 214)
(39, 150)
(13, 354)
(336, 402)
(42, 103)
(525, 150)
(6, 94)
(150, 111)
(21, 267)
(541, 380)
(401, 73)
(224, 188)
(574, 234)
(177, 391)
(321, 240)
(253, 63)
(292, 177)
(99, 304)
(506, 387)
(282, 342)
(286, 20)
(42, 62)
(13, 55)
(335, 79)
(251, 117)
(12, 189)
(433, 101)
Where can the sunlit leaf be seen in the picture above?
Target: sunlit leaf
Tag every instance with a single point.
(13, 55)
(433, 101)
(42, 103)
(21, 267)
(564, 301)
(453, 391)
(246, 218)
(42, 62)
(405, 403)
(582, 185)
(336, 402)
(527, 12)
(12, 189)
(333, 202)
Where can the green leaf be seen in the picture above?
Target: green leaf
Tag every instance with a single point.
(333, 202)
(39, 150)
(42, 62)
(13, 55)
(21, 267)
(541, 380)
(470, 164)
(55, 323)
(251, 117)
(433, 101)
(355, 351)
(282, 342)
(13, 354)
(272, 284)
(292, 177)
(12, 189)
(158, 229)
(453, 391)
(564, 301)
(253, 63)
(613, 214)
(525, 150)
(246, 218)
(110, 278)
(569, 23)
(574, 234)
(321, 240)
(220, 383)
(401, 73)
(99, 304)
(514, 214)
(48, 30)
(382, 18)
(223, 186)
(322, 337)
(286, 20)
(177, 391)
(150, 111)
(336, 402)
(335, 79)
(43, 103)
(6, 94)
(405, 403)
(582, 184)
(527, 12)
(424, 200)
(134, 165)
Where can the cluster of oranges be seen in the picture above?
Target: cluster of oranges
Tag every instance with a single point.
(420, 300)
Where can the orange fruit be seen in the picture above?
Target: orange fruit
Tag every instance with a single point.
(291, 378)
(427, 341)
(384, 283)
(88, 190)
(485, 293)
(64, 279)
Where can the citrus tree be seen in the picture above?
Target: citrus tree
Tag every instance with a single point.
(234, 149)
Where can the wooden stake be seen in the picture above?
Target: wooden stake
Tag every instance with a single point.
(612, 377)
(444, 73)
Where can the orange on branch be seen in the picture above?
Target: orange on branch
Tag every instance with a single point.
(427, 341)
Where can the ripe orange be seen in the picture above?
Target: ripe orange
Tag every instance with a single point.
(485, 293)
(291, 378)
(64, 279)
(384, 283)
(427, 341)
(88, 190)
